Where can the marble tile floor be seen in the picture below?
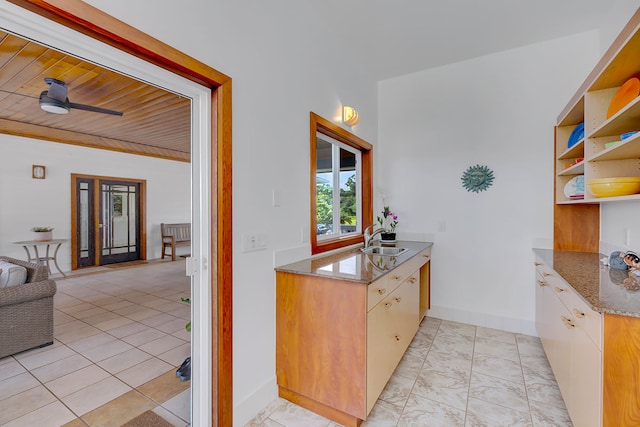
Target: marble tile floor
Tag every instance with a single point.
(455, 374)
(118, 339)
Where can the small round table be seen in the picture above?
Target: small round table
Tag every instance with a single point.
(46, 258)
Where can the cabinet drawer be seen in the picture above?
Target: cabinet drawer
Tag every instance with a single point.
(419, 260)
(559, 286)
(586, 319)
(377, 291)
(400, 274)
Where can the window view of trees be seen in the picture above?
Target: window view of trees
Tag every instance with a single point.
(348, 205)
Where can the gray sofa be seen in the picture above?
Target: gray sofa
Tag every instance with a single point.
(26, 310)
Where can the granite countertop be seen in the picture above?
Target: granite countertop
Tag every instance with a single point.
(599, 286)
(353, 265)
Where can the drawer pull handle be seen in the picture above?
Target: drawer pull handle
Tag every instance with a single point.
(398, 299)
(567, 322)
(544, 273)
(412, 280)
(426, 256)
(541, 283)
(558, 290)
(387, 305)
(396, 277)
(381, 291)
(578, 313)
(537, 263)
(397, 337)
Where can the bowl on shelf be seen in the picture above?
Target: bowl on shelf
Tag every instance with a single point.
(613, 187)
(576, 136)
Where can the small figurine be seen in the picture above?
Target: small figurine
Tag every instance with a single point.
(616, 260)
(632, 260)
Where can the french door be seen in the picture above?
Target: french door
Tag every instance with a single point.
(108, 220)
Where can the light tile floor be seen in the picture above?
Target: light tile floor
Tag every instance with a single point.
(455, 374)
(119, 336)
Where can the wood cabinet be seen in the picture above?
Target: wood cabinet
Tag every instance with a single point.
(605, 154)
(338, 341)
(571, 335)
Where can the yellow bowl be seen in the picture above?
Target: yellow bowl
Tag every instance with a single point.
(613, 187)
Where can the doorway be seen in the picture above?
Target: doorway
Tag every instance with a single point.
(108, 220)
(211, 186)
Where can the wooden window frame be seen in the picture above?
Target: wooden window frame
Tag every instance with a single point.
(330, 129)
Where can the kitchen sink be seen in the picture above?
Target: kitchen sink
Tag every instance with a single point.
(383, 250)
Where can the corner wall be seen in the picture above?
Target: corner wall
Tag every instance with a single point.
(498, 110)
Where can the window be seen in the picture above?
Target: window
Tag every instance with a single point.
(341, 194)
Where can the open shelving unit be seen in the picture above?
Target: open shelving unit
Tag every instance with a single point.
(577, 221)
(590, 105)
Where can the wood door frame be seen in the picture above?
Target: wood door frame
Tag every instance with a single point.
(96, 211)
(95, 23)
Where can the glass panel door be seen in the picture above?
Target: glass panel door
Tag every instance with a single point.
(119, 222)
(85, 222)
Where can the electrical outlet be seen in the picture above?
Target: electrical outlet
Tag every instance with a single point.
(254, 242)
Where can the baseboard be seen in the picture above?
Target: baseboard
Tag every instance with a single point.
(520, 326)
(252, 405)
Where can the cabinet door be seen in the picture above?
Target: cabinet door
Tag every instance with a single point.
(391, 326)
(545, 302)
(561, 339)
(586, 386)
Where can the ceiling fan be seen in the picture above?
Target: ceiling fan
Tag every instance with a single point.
(55, 100)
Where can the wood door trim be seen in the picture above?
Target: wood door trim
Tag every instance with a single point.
(93, 22)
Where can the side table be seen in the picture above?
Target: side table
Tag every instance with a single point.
(46, 258)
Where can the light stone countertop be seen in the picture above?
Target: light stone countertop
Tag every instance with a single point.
(353, 265)
(599, 286)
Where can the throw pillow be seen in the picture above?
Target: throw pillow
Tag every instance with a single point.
(11, 274)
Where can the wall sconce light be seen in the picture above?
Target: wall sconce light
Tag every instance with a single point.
(37, 171)
(350, 116)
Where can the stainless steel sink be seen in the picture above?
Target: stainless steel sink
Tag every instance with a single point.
(384, 250)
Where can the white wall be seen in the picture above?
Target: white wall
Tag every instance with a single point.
(27, 202)
(620, 12)
(284, 64)
(499, 111)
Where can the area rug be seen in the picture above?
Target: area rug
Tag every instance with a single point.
(126, 264)
(148, 419)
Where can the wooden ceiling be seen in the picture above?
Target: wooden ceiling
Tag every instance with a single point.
(155, 122)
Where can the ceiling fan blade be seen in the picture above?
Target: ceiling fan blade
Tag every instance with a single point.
(94, 109)
(57, 89)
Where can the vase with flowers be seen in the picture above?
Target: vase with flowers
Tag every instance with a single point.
(388, 221)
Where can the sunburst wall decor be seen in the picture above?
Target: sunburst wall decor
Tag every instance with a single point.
(477, 178)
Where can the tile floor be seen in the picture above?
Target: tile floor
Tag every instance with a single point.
(118, 339)
(455, 374)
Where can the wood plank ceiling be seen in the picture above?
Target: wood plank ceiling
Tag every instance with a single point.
(155, 122)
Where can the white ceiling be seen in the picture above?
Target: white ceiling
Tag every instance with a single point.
(397, 37)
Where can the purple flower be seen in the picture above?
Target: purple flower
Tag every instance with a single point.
(389, 220)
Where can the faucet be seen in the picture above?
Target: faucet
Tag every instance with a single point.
(368, 236)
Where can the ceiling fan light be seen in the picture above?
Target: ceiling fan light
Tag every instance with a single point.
(56, 109)
(51, 105)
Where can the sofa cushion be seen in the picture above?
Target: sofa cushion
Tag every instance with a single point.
(11, 274)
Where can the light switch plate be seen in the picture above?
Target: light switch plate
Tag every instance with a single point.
(254, 242)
